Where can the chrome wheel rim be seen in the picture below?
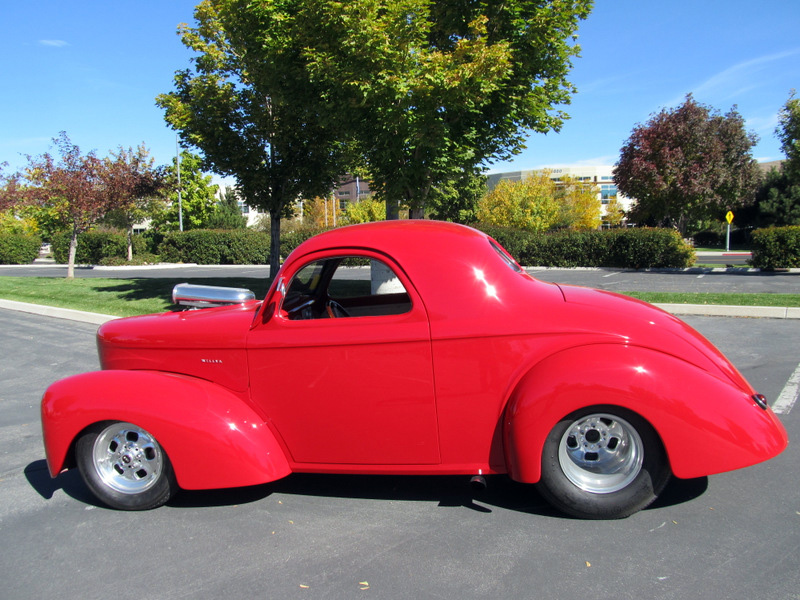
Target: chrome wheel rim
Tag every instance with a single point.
(127, 458)
(601, 453)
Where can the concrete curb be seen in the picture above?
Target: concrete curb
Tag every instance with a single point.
(713, 310)
(722, 310)
(58, 313)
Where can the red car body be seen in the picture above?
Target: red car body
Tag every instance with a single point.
(468, 372)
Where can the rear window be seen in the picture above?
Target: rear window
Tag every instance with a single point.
(512, 264)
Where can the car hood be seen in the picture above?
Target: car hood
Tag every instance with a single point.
(641, 324)
(208, 343)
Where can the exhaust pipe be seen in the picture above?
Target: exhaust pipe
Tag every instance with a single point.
(478, 483)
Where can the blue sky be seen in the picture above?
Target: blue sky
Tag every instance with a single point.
(93, 68)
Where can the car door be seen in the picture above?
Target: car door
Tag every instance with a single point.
(343, 367)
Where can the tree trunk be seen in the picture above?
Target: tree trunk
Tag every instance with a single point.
(130, 244)
(73, 250)
(274, 242)
(416, 213)
(392, 210)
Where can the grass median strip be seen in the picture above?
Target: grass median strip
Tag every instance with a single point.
(129, 297)
(117, 297)
(781, 300)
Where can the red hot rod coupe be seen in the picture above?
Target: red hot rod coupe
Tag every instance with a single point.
(445, 357)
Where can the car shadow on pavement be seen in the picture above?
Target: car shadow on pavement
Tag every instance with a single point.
(449, 491)
(69, 482)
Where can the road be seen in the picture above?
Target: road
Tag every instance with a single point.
(734, 535)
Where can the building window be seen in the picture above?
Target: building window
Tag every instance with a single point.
(607, 192)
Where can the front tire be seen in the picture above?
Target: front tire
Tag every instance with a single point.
(124, 466)
(602, 463)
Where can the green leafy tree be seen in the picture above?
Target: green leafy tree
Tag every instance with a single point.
(197, 199)
(528, 204)
(249, 106)
(688, 165)
(788, 131)
(227, 214)
(778, 199)
(433, 89)
(134, 187)
(457, 199)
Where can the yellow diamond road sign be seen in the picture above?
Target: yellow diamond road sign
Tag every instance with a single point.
(729, 217)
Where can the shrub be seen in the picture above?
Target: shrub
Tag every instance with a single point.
(293, 238)
(18, 249)
(620, 248)
(206, 247)
(246, 247)
(194, 246)
(776, 248)
(94, 246)
(138, 260)
(644, 248)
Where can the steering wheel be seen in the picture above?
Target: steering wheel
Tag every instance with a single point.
(335, 310)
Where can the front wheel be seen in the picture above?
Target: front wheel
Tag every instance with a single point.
(124, 466)
(602, 463)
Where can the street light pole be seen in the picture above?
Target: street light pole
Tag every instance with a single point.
(178, 164)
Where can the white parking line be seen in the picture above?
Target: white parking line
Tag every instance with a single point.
(789, 395)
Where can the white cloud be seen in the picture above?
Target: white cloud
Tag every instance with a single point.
(731, 80)
(54, 43)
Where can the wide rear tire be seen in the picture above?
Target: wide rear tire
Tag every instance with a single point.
(603, 463)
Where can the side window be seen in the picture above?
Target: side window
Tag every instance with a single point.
(344, 287)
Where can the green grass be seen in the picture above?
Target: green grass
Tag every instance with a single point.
(117, 297)
(781, 300)
(129, 297)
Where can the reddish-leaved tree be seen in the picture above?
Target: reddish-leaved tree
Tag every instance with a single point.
(133, 187)
(687, 165)
(74, 185)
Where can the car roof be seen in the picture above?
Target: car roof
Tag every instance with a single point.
(398, 238)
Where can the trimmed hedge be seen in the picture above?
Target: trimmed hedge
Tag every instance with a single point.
(94, 246)
(18, 248)
(206, 247)
(292, 239)
(639, 248)
(776, 248)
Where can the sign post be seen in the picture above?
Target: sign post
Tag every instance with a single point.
(729, 219)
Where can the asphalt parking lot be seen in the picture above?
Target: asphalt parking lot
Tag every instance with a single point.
(733, 535)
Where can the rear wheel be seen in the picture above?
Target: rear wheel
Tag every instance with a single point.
(603, 463)
(124, 466)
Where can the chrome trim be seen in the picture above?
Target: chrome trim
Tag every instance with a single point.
(205, 296)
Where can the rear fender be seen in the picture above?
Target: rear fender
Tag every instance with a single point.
(212, 437)
(707, 425)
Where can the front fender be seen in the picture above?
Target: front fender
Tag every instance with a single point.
(212, 437)
(707, 425)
